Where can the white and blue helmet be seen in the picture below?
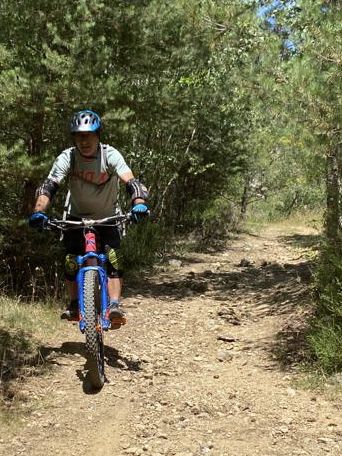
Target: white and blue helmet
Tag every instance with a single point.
(85, 121)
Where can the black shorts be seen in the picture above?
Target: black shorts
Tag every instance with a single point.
(108, 237)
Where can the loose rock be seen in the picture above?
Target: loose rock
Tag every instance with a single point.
(226, 338)
(175, 263)
(224, 356)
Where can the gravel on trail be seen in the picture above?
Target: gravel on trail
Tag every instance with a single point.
(207, 365)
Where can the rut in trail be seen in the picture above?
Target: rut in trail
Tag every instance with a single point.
(206, 366)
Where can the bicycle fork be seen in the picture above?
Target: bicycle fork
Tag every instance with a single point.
(103, 283)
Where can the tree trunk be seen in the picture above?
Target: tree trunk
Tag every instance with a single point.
(28, 199)
(34, 148)
(245, 199)
(333, 198)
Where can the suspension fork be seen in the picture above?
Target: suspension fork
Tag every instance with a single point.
(100, 260)
(96, 262)
(103, 286)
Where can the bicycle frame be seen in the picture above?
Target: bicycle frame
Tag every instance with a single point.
(91, 260)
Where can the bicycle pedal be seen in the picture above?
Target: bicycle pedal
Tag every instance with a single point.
(73, 318)
(116, 323)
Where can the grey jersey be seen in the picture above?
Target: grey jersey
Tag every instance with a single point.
(93, 182)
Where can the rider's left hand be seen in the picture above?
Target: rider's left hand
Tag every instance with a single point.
(38, 220)
(139, 212)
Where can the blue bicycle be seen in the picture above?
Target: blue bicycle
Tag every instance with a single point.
(92, 285)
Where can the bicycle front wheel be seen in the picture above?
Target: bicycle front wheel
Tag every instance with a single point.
(93, 331)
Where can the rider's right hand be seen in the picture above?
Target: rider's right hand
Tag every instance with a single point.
(38, 220)
(139, 212)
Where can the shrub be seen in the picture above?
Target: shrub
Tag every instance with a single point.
(326, 329)
(143, 244)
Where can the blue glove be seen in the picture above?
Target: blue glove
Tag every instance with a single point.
(38, 220)
(139, 212)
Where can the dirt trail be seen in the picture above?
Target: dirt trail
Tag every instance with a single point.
(206, 366)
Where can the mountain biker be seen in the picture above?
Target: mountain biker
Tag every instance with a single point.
(93, 169)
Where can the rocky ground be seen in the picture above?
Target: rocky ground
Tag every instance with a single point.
(207, 365)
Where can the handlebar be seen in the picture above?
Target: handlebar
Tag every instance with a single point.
(64, 225)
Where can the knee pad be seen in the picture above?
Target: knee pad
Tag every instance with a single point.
(115, 263)
(71, 267)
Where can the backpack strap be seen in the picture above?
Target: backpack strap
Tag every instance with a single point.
(66, 207)
(72, 160)
(104, 155)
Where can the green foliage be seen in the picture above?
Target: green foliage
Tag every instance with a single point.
(326, 330)
(143, 244)
(166, 79)
(198, 96)
(301, 91)
(215, 221)
(325, 342)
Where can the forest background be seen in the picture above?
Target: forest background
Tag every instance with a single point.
(227, 110)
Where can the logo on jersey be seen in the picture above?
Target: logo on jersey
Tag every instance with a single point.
(91, 176)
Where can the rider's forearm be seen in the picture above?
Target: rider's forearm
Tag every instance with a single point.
(137, 191)
(45, 193)
(42, 203)
(139, 200)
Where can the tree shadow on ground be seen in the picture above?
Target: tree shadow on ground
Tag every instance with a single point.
(311, 241)
(290, 347)
(279, 286)
(272, 288)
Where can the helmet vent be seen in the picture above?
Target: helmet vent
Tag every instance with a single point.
(84, 121)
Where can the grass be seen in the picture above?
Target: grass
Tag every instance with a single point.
(330, 386)
(22, 327)
(28, 317)
(325, 342)
(309, 219)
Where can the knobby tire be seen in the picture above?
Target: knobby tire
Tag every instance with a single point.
(93, 335)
